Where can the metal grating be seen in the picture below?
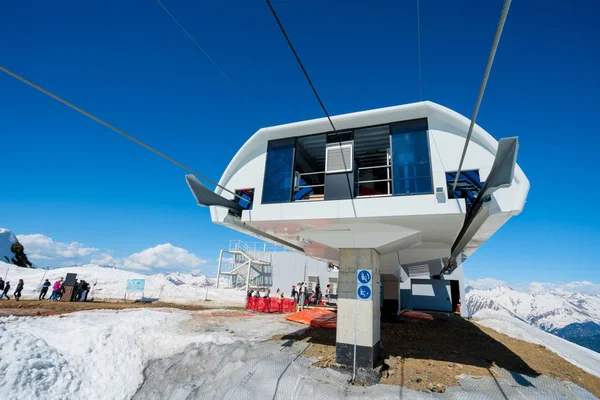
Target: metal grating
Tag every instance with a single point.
(339, 158)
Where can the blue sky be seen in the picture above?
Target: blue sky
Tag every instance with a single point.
(70, 179)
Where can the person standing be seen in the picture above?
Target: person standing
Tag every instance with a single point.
(55, 290)
(17, 293)
(44, 290)
(294, 293)
(5, 291)
(319, 293)
(280, 300)
(85, 288)
(1, 285)
(327, 294)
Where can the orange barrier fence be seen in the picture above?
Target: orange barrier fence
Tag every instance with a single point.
(272, 304)
(316, 317)
(416, 315)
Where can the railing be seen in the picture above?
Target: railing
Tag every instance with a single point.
(253, 247)
(300, 183)
(388, 180)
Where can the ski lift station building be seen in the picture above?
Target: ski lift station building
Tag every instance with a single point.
(377, 194)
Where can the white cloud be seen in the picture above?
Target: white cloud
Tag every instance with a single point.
(106, 259)
(164, 257)
(485, 283)
(41, 247)
(584, 287)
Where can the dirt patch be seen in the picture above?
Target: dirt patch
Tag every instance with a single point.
(44, 307)
(424, 355)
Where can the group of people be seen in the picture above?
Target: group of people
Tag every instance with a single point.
(80, 290)
(256, 294)
(5, 289)
(301, 294)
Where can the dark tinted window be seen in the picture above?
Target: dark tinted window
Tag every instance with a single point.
(410, 159)
(277, 185)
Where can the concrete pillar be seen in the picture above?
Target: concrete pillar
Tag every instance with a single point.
(367, 312)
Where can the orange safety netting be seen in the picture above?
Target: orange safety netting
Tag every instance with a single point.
(417, 315)
(317, 317)
(271, 304)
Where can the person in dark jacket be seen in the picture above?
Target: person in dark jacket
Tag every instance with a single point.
(1, 285)
(17, 293)
(5, 291)
(319, 293)
(85, 288)
(294, 293)
(44, 290)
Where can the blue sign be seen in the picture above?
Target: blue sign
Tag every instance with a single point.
(364, 276)
(364, 292)
(364, 284)
(135, 285)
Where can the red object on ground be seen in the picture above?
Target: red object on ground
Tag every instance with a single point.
(317, 317)
(272, 304)
(417, 315)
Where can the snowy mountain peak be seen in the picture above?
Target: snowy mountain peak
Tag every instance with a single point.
(7, 239)
(548, 309)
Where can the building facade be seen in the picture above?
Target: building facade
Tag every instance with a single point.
(376, 193)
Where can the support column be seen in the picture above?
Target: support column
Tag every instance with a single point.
(367, 316)
(219, 267)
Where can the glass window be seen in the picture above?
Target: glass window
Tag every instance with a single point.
(277, 185)
(410, 160)
(309, 172)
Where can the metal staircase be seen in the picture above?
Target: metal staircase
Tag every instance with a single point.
(250, 265)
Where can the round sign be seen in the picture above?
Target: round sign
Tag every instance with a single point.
(364, 277)
(364, 292)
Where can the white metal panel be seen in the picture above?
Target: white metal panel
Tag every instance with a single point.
(431, 294)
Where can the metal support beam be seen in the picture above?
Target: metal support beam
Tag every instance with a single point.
(219, 267)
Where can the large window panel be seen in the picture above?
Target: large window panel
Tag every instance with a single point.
(277, 185)
(410, 161)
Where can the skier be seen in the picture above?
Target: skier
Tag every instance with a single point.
(17, 293)
(5, 291)
(1, 285)
(44, 290)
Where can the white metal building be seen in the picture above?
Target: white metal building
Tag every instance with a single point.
(382, 183)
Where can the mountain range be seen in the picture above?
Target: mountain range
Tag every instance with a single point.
(571, 316)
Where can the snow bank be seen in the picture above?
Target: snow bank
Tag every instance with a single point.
(503, 322)
(91, 355)
(111, 282)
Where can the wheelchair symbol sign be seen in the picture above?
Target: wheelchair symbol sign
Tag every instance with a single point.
(364, 276)
(364, 292)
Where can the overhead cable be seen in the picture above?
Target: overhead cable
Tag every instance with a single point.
(289, 42)
(204, 52)
(113, 128)
(486, 75)
(419, 50)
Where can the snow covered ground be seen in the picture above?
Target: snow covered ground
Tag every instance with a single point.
(102, 354)
(111, 282)
(503, 322)
(173, 354)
